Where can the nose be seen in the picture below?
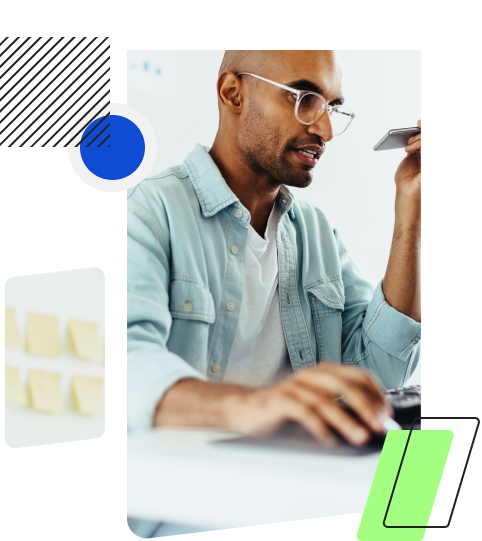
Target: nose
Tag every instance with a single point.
(322, 127)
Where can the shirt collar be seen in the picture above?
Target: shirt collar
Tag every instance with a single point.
(212, 190)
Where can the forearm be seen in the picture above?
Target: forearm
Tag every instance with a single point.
(195, 403)
(401, 285)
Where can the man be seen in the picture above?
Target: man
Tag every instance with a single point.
(244, 309)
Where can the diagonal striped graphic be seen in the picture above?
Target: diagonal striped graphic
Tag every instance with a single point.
(91, 131)
(37, 44)
(100, 133)
(100, 144)
(88, 121)
(80, 118)
(49, 83)
(85, 83)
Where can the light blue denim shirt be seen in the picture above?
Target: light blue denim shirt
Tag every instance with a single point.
(185, 288)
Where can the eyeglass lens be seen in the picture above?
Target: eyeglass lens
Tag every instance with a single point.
(311, 107)
(340, 118)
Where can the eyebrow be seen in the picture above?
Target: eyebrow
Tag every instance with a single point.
(305, 84)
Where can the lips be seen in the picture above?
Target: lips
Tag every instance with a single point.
(309, 155)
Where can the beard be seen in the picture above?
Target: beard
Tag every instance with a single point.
(265, 152)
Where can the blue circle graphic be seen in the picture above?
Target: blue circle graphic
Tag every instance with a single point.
(113, 157)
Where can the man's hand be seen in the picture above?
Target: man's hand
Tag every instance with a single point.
(408, 182)
(311, 398)
(401, 285)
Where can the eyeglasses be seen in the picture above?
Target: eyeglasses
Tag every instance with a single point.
(310, 106)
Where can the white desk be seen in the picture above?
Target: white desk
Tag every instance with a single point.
(180, 476)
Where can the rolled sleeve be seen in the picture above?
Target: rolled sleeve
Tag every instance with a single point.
(392, 331)
(375, 335)
(392, 341)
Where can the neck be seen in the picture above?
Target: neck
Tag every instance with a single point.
(255, 191)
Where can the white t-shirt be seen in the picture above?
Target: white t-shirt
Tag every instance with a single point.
(259, 355)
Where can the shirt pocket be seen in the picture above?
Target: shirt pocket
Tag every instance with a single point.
(327, 301)
(190, 299)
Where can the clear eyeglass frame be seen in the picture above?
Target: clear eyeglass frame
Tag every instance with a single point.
(300, 94)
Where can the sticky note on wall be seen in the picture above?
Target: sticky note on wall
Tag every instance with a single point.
(85, 340)
(12, 334)
(14, 393)
(45, 393)
(42, 335)
(88, 396)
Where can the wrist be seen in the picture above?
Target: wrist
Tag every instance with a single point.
(408, 222)
(237, 407)
(407, 211)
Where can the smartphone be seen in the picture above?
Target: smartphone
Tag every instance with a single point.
(396, 138)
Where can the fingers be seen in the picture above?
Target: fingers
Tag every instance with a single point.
(302, 409)
(331, 413)
(384, 406)
(415, 143)
(310, 398)
(354, 374)
(359, 389)
(343, 422)
(370, 410)
(415, 138)
(419, 124)
(414, 148)
(363, 378)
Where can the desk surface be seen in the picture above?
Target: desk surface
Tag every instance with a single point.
(184, 476)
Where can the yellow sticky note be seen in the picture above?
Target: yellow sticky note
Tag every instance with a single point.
(45, 392)
(88, 396)
(12, 334)
(85, 340)
(43, 335)
(14, 393)
(115, 353)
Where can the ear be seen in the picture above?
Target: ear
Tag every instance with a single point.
(229, 91)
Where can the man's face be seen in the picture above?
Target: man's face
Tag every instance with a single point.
(270, 137)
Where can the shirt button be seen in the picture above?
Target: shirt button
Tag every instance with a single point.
(215, 367)
(234, 250)
(238, 213)
(230, 306)
(187, 307)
